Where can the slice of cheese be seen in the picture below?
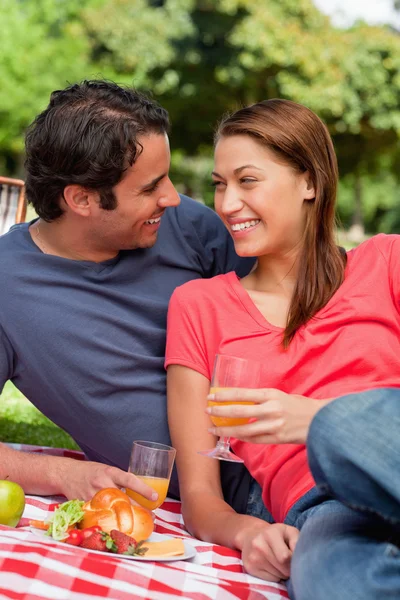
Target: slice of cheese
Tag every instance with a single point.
(171, 547)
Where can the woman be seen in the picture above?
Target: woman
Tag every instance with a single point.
(323, 323)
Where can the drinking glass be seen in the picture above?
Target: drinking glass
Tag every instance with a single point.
(152, 463)
(230, 372)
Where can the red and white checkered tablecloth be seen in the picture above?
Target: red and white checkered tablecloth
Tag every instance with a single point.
(34, 570)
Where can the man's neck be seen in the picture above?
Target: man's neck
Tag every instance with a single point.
(66, 240)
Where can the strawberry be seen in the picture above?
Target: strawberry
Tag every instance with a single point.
(124, 543)
(99, 540)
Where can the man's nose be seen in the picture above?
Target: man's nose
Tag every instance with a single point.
(170, 197)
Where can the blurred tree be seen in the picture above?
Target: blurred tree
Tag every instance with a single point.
(42, 47)
(131, 38)
(202, 58)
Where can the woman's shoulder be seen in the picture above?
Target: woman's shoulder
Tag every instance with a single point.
(381, 244)
(200, 288)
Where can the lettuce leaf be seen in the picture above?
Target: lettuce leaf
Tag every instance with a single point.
(66, 515)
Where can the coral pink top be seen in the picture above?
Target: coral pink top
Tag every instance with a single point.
(351, 345)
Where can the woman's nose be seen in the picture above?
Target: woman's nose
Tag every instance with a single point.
(231, 202)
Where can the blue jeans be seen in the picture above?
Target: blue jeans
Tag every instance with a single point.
(348, 547)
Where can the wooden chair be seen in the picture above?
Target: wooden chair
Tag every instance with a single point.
(12, 203)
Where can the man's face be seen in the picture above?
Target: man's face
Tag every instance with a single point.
(142, 196)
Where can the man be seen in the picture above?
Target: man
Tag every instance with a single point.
(84, 289)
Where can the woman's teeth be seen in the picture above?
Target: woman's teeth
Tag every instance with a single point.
(244, 225)
(153, 221)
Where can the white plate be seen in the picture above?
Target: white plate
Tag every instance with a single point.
(190, 551)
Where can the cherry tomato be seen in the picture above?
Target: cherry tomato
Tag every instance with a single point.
(75, 537)
(89, 530)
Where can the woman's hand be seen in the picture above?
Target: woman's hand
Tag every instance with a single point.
(267, 552)
(275, 417)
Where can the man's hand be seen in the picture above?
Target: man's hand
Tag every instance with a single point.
(267, 552)
(275, 417)
(82, 479)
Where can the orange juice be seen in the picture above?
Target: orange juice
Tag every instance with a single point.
(226, 421)
(159, 484)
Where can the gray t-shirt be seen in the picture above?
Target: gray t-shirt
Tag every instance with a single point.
(85, 341)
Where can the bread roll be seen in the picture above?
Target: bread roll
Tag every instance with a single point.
(111, 508)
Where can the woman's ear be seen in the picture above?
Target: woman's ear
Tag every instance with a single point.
(309, 189)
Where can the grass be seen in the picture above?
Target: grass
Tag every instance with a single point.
(22, 423)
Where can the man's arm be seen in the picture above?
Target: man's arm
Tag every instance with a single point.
(49, 475)
(43, 475)
(266, 549)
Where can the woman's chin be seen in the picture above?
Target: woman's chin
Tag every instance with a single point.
(245, 251)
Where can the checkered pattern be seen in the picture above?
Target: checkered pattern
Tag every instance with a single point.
(34, 570)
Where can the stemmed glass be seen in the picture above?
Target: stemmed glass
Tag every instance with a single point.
(152, 463)
(230, 372)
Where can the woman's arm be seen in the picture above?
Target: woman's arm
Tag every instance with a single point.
(203, 507)
(266, 548)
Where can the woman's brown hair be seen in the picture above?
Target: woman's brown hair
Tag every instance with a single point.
(301, 140)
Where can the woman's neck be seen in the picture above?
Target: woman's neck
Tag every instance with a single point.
(274, 273)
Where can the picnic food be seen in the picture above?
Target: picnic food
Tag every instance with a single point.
(66, 517)
(96, 541)
(12, 502)
(109, 522)
(124, 543)
(111, 508)
(70, 518)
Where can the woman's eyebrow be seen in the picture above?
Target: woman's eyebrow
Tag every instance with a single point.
(238, 170)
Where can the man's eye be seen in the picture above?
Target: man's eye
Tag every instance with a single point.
(152, 189)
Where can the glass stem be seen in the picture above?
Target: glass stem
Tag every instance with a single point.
(223, 444)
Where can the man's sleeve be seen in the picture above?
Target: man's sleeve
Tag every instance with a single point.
(6, 359)
(219, 246)
(226, 259)
(210, 239)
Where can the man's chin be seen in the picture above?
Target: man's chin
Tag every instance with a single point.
(148, 243)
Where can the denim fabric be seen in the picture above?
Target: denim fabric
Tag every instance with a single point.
(348, 547)
(255, 504)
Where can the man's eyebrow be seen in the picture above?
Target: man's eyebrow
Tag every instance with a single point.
(152, 183)
(238, 170)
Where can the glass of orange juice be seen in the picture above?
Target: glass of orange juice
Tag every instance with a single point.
(230, 372)
(152, 463)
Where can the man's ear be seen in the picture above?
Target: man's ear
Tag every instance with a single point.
(309, 189)
(79, 200)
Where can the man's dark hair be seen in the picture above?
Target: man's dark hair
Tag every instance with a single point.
(88, 135)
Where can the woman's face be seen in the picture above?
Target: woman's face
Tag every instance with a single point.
(260, 200)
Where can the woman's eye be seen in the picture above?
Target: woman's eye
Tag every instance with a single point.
(216, 184)
(247, 180)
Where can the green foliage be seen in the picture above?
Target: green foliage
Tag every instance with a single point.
(192, 176)
(381, 202)
(129, 39)
(41, 49)
(203, 58)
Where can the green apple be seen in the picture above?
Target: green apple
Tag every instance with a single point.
(12, 502)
